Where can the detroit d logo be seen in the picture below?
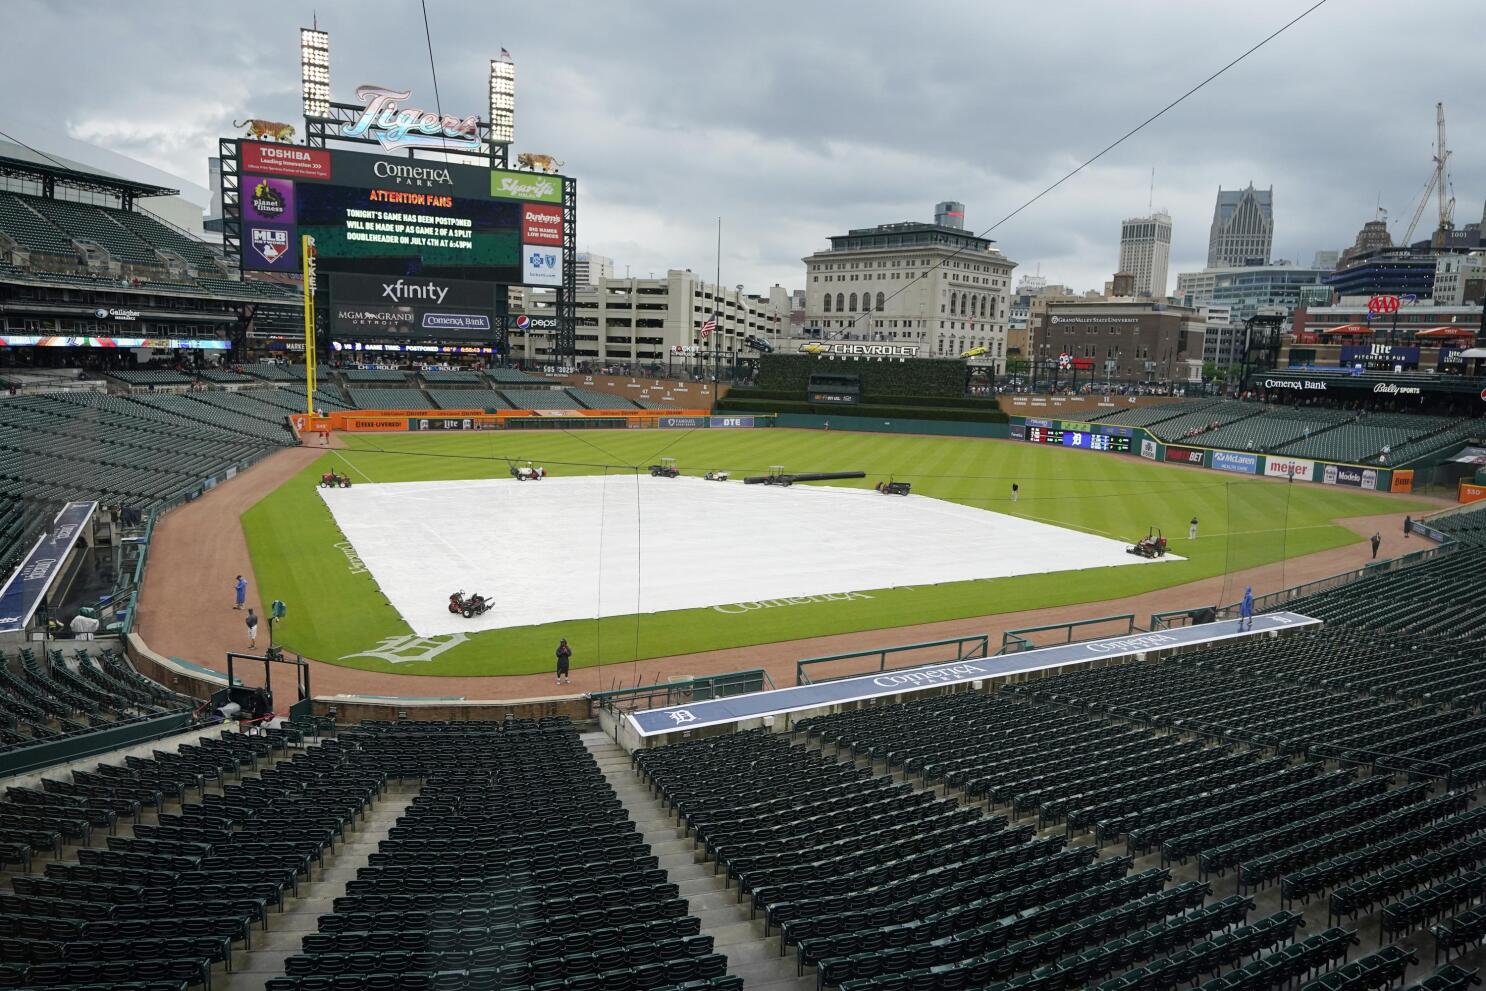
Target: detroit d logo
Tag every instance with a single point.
(683, 716)
(410, 648)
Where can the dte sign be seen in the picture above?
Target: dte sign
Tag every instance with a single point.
(734, 422)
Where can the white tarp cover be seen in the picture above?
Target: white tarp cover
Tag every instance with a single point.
(581, 547)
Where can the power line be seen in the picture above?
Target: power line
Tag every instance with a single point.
(37, 151)
(1090, 161)
(433, 71)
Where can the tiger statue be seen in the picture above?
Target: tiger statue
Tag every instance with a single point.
(270, 130)
(537, 162)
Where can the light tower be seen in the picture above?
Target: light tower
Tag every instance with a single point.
(502, 106)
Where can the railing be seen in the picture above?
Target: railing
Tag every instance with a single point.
(1014, 641)
(1444, 545)
(965, 649)
(661, 694)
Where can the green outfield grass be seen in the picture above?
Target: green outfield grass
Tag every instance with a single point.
(334, 613)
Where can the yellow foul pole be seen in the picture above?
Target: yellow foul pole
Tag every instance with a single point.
(307, 256)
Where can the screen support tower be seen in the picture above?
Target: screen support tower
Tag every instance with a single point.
(566, 338)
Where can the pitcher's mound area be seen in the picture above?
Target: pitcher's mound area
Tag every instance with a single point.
(590, 546)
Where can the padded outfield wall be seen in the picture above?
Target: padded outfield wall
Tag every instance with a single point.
(1101, 438)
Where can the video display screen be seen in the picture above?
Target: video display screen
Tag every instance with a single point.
(1078, 438)
(397, 216)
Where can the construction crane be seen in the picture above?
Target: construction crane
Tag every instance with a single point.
(1439, 182)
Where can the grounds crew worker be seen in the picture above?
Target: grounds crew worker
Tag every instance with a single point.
(564, 652)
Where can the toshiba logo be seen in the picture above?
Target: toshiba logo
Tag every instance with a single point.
(290, 154)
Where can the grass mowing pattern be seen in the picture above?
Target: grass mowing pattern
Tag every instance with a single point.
(334, 613)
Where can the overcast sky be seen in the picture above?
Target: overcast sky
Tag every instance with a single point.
(795, 121)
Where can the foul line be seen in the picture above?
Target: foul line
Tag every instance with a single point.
(354, 468)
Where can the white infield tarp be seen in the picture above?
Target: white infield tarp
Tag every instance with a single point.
(589, 546)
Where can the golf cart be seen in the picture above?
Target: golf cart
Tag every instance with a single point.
(666, 469)
(716, 476)
(893, 488)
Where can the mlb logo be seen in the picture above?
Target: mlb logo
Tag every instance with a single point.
(271, 244)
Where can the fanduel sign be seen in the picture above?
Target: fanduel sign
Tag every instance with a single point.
(384, 118)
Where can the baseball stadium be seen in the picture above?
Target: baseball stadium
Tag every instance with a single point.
(342, 649)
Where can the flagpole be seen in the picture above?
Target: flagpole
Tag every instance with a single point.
(716, 294)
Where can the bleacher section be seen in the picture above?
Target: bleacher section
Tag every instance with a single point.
(84, 222)
(1144, 416)
(1251, 816)
(451, 377)
(515, 866)
(1188, 425)
(600, 400)
(1273, 428)
(142, 451)
(374, 398)
(486, 399)
(1439, 442)
(150, 376)
(275, 373)
(516, 377)
(22, 523)
(47, 701)
(354, 376)
(31, 230)
(540, 399)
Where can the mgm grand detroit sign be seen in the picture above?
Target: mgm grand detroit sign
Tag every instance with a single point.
(852, 350)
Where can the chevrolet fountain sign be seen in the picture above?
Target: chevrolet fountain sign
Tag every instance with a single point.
(847, 349)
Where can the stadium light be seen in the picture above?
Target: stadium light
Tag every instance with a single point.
(502, 100)
(314, 71)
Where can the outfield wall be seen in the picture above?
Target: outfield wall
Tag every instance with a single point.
(872, 424)
(1139, 442)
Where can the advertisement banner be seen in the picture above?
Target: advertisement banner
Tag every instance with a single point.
(1472, 492)
(1018, 431)
(1380, 357)
(267, 200)
(1148, 449)
(1302, 471)
(1244, 464)
(1403, 480)
(423, 307)
(525, 186)
(1357, 478)
(1184, 455)
(540, 266)
(731, 421)
(541, 224)
(270, 248)
(524, 322)
(682, 422)
(445, 423)
(390, 173)
(292, 161)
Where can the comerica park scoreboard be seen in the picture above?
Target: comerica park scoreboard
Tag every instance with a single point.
(1082, 436)
(1078, 438)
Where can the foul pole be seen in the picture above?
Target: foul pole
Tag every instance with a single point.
(307, 256)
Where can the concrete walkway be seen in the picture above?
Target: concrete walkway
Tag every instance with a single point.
(724, 917)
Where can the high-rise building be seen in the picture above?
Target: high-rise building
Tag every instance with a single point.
(592, 269)
(1326, 259)
(926, 284)
(1243, 228)
(1145, 251)
(950, 214)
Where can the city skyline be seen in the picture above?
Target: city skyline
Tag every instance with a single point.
(774, 137)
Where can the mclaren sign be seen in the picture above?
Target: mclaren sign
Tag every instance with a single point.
(847, 349)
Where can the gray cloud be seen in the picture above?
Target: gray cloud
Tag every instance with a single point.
(794, 121)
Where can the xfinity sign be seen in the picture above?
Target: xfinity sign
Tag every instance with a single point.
(401, 291)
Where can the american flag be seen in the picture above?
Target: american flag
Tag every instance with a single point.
(505, 54)
(709, 327)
